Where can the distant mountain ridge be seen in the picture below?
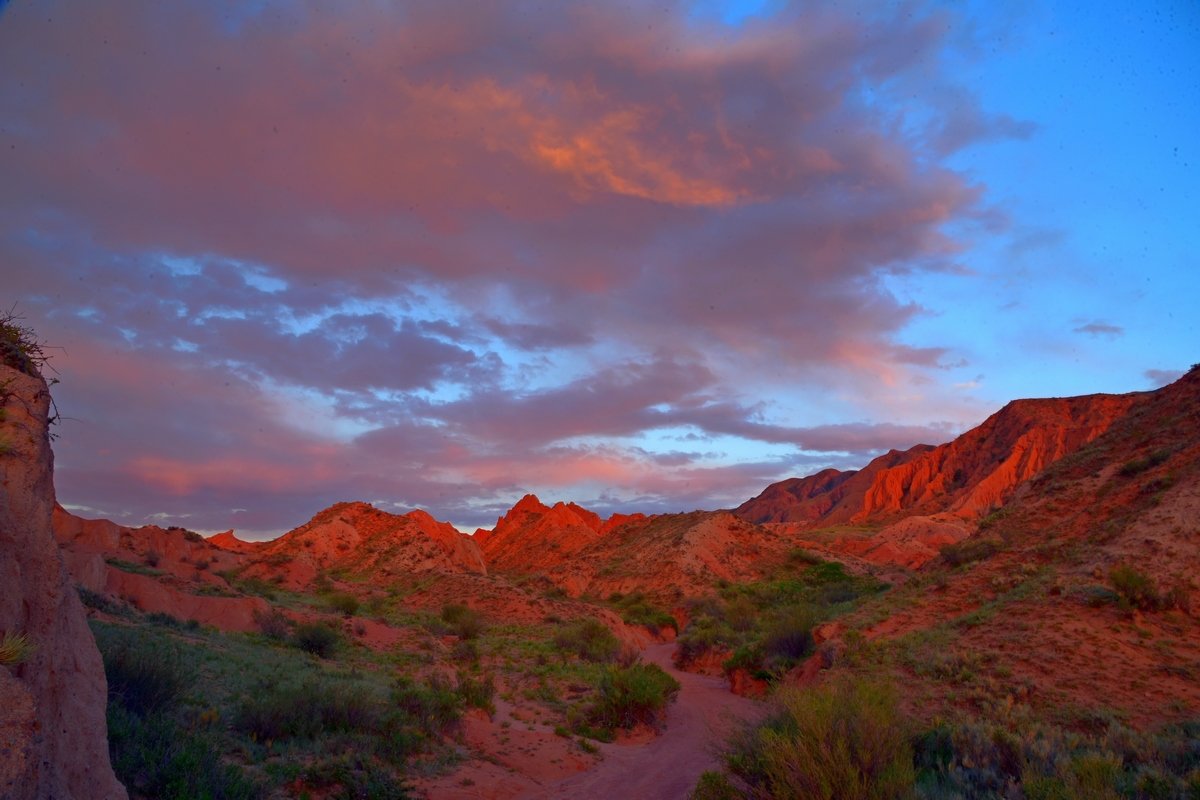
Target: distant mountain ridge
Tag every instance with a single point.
(964, 478)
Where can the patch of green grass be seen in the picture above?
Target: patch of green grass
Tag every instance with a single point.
(129, 566)
(589, 639)
(637, 609)
(767, 625)
(1140, 465)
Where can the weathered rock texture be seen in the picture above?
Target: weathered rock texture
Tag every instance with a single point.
(359, 539)
(962, 479)
(53, 735)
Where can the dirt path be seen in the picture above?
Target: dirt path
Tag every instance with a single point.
(667, 767)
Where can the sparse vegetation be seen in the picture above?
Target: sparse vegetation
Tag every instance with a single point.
(462, 621)
(844, 740)
(766, 627)
(972, 549)
(1140, 465)
(20, 348)
(1135, 589)
(630, 695)
(637, 609)
(589, 639)
(15, 648)
(342, 603)
(273, 624)
(317, 638)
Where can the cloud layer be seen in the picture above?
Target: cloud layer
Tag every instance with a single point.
(442, 253)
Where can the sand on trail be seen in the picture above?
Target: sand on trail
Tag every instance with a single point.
(703, 715)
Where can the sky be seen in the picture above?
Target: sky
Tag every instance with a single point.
(641, 256)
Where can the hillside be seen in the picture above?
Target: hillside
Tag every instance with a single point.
(907, 504)
(1084, 585)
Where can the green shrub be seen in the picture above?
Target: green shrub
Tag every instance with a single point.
(844, 740)
(462, 621)
(1140, 465)
(478, 692)
(1135, 588)
(636, 609)
(158, 756)
(788, 640)
(308, 710)
(969, 550)
(273, 624)
(714, 786)
(144, 677)
(19, 345)
(317, 638)
(638, 693)
(434, 707)
(15, 648)
(588, 638)
(342, 603)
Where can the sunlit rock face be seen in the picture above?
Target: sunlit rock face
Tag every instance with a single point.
(964, 478)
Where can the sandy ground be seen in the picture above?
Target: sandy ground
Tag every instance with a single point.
(667, 767)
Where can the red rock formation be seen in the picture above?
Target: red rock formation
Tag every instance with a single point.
(965, 478)
(360, 539)
(53, 735)
(670, 556)
(533, 537)
(227, 541)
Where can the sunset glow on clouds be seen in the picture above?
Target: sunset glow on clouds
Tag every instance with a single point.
(647, 258)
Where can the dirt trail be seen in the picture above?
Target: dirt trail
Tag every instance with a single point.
(666, 768)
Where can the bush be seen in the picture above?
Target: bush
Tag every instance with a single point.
(1139, 465)
(635, 609)
(477, 692)
(969, 550)
(343, 603)
(844, 740)
(274, 624)
(434, 708)
(317, 638)
(19, 346)
(157, 756)
(714, 786)
(144, 677)
(462, 621)
(638, 693)
(309, 709)
(788, 640)
(1135, 588)
(15, 648)
(588, 638)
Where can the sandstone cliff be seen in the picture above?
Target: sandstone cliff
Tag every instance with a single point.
(53, 735)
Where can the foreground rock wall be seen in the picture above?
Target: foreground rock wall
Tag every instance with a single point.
(53, 735)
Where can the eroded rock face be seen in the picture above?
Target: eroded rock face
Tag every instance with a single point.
(53, 735)
(964, 478)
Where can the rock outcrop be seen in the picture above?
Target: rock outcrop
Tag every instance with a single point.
(534, 537)
(53, 734)
(962, 479)
(359, 539)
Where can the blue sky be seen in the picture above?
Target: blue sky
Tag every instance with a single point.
(438, 254)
